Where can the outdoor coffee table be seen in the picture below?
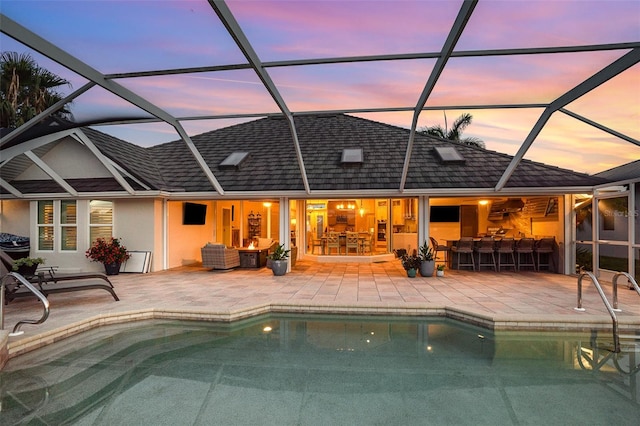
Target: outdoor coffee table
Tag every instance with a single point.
(252, 258)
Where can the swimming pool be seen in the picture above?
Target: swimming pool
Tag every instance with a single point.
(307, 370)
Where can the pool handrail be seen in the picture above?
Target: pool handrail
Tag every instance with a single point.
(633, 285)
(596, 283)
(22, 280)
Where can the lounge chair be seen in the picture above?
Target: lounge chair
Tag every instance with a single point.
(50, 282)
(218, 256)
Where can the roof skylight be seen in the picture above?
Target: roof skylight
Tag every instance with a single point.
(352, 156)
(449, 154)
(234, 160)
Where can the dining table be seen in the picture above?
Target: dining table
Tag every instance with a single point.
(343, 242)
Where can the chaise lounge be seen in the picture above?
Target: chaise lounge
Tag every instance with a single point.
(49, 282)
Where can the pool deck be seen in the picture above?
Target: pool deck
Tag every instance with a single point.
(500, 301)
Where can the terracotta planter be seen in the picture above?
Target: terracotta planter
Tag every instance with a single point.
(112, 268)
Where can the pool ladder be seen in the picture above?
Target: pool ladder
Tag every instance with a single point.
(45, 303)
(611, 309)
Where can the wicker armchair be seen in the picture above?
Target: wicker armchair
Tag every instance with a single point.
(217, 256)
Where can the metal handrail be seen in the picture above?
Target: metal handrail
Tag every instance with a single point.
(596, 364)
(596, 283)
(633, 283)
(45, 303)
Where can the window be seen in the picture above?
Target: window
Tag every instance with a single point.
(45, 225)
(68, 226)
(100, 219)
(64, 224)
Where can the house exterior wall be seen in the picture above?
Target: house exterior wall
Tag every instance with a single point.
(69, 159)
(136, 223)
(14, 217)
(184, 241)
(159, 231)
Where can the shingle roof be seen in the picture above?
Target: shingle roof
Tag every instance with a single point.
(81, 185)
(626, 171)
(273, 165)
(135, 159)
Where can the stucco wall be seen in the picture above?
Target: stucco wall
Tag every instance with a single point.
(136, 223)
(185, 241)
(14, 217)
(69, 159)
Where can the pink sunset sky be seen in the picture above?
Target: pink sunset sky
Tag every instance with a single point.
(131, 36)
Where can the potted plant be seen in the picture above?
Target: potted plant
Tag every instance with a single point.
(440, 271)
(411, 263)
(428, 261)
(278, 259)
(27, 265)
(111, 253)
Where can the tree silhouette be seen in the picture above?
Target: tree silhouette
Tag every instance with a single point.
(455, 132)
(26, 90)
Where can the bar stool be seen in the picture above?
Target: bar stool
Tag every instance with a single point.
(437, 248)
(505, 248)
(545, 246)
(464, 246)
(486, 247)
(525, 247)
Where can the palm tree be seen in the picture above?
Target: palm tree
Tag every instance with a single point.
(26, 90)
(454, 133)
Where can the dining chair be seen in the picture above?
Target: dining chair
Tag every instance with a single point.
(464, 246)
(314, 242)
(525, 247)
(333, 241)
(486, 247)
(352, 242)
(505, 248)
(366, 242)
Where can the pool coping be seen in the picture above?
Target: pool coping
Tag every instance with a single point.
(12, 347)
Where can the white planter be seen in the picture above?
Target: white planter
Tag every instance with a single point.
(439, 273)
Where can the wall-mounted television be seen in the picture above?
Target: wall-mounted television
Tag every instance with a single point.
(445, 214)
(194, 214)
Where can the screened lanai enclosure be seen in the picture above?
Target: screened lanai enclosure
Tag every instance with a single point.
(546, 82)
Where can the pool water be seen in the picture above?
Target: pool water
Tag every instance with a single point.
(319, 370)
